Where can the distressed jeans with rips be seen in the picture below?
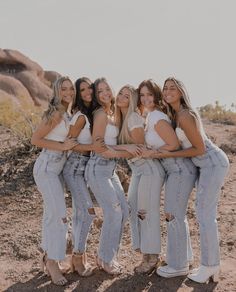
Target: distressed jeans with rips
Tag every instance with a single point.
(213, 167)
(107, 189)
(181, 175)
(144, 194)
(47, 175)
(73, 174)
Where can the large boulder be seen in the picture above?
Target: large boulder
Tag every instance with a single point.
(38, 90)
(22, 77)
(14, 87)
(51, 76)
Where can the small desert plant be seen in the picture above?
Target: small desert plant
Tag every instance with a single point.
(218, 113)
(21, 118)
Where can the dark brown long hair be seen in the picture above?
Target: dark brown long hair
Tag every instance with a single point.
(156, 91)
(79, 103)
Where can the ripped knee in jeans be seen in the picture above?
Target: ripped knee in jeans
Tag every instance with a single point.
(169, 217)
(64, 220)
(91, 211)
(116, 207)
(142, 214)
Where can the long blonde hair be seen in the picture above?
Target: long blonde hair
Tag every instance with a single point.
(55, 102)
(124, 136)
(184, 101)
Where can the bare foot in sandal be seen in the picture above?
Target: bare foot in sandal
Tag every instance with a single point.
(53, 270)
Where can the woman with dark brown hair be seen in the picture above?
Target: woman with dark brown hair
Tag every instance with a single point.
(180, 176)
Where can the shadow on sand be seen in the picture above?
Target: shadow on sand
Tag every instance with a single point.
(127, 283)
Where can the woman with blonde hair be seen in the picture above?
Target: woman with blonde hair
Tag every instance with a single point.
(212, 164)
(145, 185)
(51, 135)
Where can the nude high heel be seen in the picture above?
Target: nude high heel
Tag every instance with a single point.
(149, 263)
(112, 268)
(80, 265)
(51, 268)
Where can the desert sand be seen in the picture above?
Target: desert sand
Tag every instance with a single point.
(20, 225)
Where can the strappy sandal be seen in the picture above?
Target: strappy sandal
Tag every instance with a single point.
(149, 263)
(80, 265)
(112, 268)
(51, 268)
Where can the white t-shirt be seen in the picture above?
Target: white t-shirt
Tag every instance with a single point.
(85, 136)
(111, 134)
(60, 132)
(135, 121)
(152, 139)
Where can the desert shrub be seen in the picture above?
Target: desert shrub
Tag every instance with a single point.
(20, 117)
(219, 113)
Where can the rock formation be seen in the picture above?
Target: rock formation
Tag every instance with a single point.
(24, 79)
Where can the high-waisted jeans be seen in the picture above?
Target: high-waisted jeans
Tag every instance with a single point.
(47, 175)
(213, 167)
(107, 189)
(181, 175)
(144, 194)
(73, 174)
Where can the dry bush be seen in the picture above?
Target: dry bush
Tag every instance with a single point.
(20, 117)
(218, 113)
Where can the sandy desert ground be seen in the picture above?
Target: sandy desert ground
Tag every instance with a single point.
(20, 224)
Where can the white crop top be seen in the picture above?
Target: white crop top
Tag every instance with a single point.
(152, 139)
(111, 134)
(135, 121)
(60, 132)
(85, 136)
(184, 141)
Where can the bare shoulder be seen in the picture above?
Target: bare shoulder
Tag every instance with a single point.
(56, 117)
(100, 114)
(186, 116)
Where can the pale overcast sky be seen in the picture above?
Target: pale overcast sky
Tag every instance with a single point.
(130, 40)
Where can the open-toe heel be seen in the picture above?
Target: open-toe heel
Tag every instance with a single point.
(52, 269)
(148, 264)
(112, 268)
(80, 265)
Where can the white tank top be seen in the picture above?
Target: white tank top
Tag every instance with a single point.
(60, 132)
(111, 134)
(85, 136)
(184, 141)
(152, 139)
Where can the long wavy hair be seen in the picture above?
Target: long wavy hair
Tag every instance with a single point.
(79, 104)
(124, 136)
(55, 104)
(184, 101)
(96, 83)
(156, 91)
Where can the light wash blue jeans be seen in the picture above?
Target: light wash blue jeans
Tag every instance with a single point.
(73, 174)
(213, 167)
(144, 194)
(181, 175)
(47, 175)
(107, 189)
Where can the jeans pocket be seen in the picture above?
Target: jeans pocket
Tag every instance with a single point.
(55, 165)
(202, 160)
(102, 161)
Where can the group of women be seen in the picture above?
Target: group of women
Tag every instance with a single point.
(83, 133)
